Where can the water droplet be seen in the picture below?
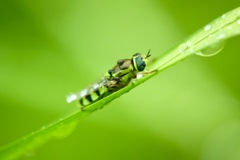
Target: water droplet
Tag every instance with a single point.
(207, 27)
(211, 50)
(221, 36)
(65, 129)
(184, 47)
(238, 21)
(223, 16)
(43, 127)
(71, 97)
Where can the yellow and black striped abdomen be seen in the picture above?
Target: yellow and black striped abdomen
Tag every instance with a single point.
(93, 96)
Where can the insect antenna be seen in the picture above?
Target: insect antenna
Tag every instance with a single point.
(148, 54)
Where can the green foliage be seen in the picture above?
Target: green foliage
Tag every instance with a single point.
(206, 42)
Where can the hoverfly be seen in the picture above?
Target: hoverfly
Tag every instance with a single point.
(116, 78)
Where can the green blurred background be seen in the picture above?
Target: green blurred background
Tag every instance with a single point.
(51, 48)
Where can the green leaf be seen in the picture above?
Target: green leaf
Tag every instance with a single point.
(206, 42)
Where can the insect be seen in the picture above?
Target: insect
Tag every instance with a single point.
(116, 78)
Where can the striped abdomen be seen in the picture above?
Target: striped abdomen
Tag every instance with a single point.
(93, 96)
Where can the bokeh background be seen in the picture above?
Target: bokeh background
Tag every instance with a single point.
(49, 48)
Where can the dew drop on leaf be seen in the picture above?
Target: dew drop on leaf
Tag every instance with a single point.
(71, 97)
(212, 49)
(223, 16)
(64, 130)
(207, 27)
(238, 21)
(184, 47)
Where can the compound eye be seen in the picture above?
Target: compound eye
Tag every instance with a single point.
(140, 63)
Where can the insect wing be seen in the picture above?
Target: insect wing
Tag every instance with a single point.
(97, 88)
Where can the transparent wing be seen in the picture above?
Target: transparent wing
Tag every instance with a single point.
(75, 96)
